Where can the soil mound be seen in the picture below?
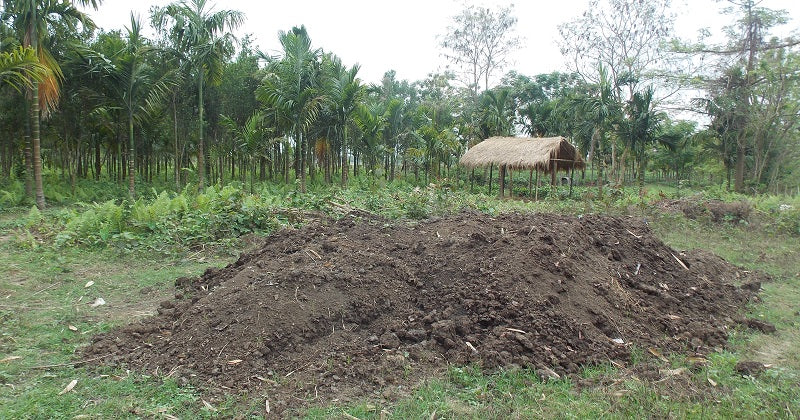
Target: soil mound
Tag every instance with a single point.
(362, 307)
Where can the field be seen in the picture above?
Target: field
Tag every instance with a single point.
(56, 271)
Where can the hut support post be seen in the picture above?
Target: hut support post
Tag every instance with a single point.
(510, 183)
(553, 170)
(502, 176)
(537, 185)
(571, 178)
(491, 168)
(471, 179)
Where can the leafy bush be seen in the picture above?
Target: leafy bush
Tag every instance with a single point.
(183, 220)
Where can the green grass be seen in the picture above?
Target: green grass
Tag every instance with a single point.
(43, 293)
(470, 393)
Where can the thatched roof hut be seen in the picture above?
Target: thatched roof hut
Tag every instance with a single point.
(525, 153)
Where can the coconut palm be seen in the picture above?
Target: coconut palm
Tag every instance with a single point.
(32, 20)
(203, 37)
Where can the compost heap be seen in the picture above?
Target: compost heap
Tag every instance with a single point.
(360, 305)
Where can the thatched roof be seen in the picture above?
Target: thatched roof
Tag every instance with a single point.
(524, 153)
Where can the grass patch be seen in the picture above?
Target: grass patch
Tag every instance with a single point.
(43, 294)
(45, 316)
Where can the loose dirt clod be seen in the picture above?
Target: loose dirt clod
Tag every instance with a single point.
(364, 308)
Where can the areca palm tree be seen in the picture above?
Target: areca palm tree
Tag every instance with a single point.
(249, 138)
(600, 110)
(642, 127)
(32, 19)
(136, 88)
(291, 89)
(203, 37)
(371, 124)
(20, 67)
(345, 92)
(496, 116)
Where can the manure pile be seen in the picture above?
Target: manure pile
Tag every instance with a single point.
(364, 307)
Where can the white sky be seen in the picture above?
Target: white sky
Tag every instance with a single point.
(402, 35)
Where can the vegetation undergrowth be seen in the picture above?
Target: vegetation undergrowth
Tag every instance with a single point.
(60, 261)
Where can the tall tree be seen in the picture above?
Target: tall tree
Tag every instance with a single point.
(628, 38)
(32, 19)
(736, 93)
(291, 89)
(20, 67)
(345, 92)
(480, 41)
(204, 36)
(137, 88)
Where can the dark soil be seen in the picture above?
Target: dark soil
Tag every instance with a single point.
(713, 210)
(364, 308)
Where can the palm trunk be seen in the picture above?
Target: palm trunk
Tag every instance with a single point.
(201, 155)
(37, 150)
(131, 159)
(177, 150)
(302, 154)
(345, 163)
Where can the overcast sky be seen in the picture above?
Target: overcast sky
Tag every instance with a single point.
(404, 35)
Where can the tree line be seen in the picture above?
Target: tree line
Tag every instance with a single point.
(196, 105)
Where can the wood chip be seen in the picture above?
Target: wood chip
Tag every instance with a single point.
(89, 284)
(69, 387)
(319, 257)
(72, 328)
(679, 261)
(10, 358)
(266, 406)
(516, 330)
(712, 382)
(234, 362)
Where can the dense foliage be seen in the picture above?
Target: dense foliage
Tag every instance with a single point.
(198, 107)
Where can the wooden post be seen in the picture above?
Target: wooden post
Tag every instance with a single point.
(502, 180)
(471, 179)
(571, 177)
(537, 185)
(491, 167)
